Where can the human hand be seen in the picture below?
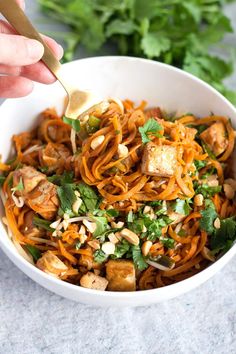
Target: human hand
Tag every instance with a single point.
(20, 61)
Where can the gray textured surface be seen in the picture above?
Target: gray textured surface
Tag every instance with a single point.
(34, 320)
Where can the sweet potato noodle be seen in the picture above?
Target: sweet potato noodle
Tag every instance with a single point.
(134, 199)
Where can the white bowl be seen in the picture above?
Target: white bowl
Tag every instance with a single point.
(123, 77)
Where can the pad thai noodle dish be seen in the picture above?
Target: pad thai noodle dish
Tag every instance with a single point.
(126, 198)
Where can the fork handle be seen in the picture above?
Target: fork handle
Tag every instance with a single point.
(17, 18)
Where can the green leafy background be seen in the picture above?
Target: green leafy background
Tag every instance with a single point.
(177, 32)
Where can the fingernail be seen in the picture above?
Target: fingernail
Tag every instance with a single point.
(35, 49)
(61, 51)
(22, 4)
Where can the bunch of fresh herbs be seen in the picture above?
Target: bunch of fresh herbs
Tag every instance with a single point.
(177, 32)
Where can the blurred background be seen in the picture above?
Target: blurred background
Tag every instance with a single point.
(196, 35)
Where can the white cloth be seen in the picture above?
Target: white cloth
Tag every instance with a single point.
(35, 321)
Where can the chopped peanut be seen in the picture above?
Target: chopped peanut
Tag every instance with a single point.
(108, 248)
(76, 205)
(130, 236)
(146, 247)
(94, 244)
(217, 223)
(198, 200)
(231, 182)
(96, 142)
(122, 151)
(112, 237)
(229, 191)
(91, 226)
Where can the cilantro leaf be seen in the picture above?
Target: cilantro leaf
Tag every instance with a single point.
(208, 150)
(90, 199)
(19, 187)
(67, 197)
(181, 206)
(209, 215)
(136, 225)
(112, 212)
(181, 33)
(138, 258)
(41, 223)
(34, 251)
(151, 127)
(99, 256)
(154, 227)
(153, 44)
(74, 123)
(200, 164)
(119, 26)
(130, 216)
(60, 180)
(78, 244)
(207, 191)
(101, 225)
(121, 249)
(167, 242)
(224, 237)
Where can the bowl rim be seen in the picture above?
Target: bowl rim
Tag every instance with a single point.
(113, 294)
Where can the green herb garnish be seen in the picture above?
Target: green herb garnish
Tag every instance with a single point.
(176, 32)
(154, 227)
(43, 169)
(207, 191)
(167, 242)
(101, 225)
(19, 187)
(34, 251)
(67, 197)
(90, 199)
(41, 223)
(208, 150)
(60, 180)
(112, 213)
(93, 124)
(223, 238)
(209, 215)
(99, 256)
(199, 164)
(151, 127)
(181, 206)
(138, 258)
(78, 245)
(74, 123)
(121, 249)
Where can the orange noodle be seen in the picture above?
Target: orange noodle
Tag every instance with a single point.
(133, 200)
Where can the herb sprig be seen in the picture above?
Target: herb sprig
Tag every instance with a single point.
(176, 32)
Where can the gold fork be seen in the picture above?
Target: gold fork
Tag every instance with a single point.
(78, 101)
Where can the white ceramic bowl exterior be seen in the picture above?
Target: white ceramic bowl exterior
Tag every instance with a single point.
(122, 77)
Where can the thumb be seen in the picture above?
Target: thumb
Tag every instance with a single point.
(19, 51)
(21, 3)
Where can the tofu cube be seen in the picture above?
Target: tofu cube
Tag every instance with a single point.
(120, 275)
(215, 137)
(93, 281)
(159, 160)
